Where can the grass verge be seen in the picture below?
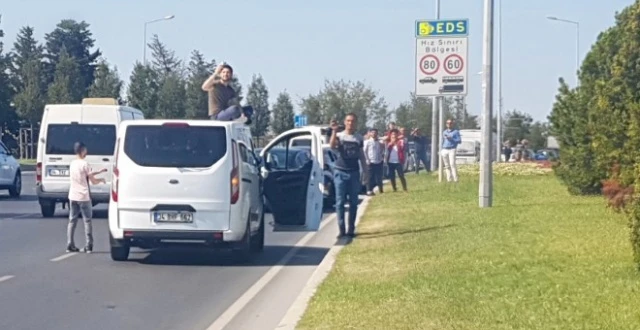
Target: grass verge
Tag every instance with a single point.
(431, 259)
(27, 162)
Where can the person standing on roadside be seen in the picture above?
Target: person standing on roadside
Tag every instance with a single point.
(396, 159)
(80, 204)
(374, 153)
(421, 143)
(450, 141)
(346, 177)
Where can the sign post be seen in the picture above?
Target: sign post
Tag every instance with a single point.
(441, 67)
(299, 120)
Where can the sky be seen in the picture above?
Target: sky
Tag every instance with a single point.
(296, 44)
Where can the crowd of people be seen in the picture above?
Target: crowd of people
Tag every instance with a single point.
(371, 152)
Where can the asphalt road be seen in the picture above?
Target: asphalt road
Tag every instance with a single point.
(42, 287)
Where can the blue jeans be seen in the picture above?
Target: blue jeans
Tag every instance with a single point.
(347, 183)
(231, 113)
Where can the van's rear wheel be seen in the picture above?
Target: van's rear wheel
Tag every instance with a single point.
(257, 242)
(47, 208)
(119, 249)
(243, 249)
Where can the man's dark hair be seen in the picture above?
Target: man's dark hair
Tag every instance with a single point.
(79, 147)
(373, 130)
(392, 123)
(395, 130)
(352, 115)
(227, 66)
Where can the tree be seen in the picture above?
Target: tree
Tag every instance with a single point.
(461, 115)
(199, 70)
(8, 118)
(107, 82)
(67, 81)
(516, 125)
(75, 39)
(283, 114)
(143, 89)
(27, 76)
(171, 97)
(164, 60)
(258, 98)
(338, 98)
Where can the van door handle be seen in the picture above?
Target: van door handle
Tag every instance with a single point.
(105, 159)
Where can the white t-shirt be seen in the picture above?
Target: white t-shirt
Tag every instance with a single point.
(393, 155)
(79, 171)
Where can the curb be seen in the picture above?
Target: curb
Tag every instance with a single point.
(299, 306)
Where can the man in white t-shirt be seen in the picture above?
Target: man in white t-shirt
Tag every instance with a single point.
(80, 197)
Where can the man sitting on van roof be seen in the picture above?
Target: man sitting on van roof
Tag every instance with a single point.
(223, 99)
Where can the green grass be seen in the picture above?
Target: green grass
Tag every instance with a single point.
(27, 162)
(432, 259)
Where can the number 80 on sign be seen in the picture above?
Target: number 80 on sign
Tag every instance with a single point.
(429, 64)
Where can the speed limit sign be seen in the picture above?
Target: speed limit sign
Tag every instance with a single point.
(441, 68)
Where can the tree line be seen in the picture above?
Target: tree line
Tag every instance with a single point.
(597, 123)
(68, 66)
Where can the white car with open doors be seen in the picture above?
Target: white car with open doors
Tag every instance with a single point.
(194, 182)
(294, 189)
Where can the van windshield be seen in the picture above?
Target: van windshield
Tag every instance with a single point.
(163, 146)
(99, 139)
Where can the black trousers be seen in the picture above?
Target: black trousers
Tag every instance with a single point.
(374, 176)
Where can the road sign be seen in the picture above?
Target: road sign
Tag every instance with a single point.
(300, 120)
(446, 28)
(441, 64)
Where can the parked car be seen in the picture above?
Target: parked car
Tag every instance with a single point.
(10, 175)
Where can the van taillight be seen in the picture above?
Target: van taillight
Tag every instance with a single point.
(116, 175)
(39, 172)
(235, 174)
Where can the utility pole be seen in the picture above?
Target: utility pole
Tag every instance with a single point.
(485, 188)
(435, 156)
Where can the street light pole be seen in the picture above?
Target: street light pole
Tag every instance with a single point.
(435, 156)
(499, 116)
(577, 24)
(485, 189)
(144, 44)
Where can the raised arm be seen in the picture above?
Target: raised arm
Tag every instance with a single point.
(214, 78)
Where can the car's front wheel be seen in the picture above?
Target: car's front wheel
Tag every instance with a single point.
(16, 189)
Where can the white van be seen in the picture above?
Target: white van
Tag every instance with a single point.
(94, 122)
(294, 189)
(195, 182)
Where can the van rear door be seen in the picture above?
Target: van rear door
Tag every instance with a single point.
(60, 138)
(173, 167)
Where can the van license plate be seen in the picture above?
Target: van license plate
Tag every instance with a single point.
(58, 172)
(169, 216)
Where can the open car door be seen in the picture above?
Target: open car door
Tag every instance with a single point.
(294, 178)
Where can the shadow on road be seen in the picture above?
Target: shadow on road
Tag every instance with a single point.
(271, 256)
(23, 198)
(367, 235)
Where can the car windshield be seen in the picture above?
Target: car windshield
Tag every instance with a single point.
(165, 146)
(99, 139)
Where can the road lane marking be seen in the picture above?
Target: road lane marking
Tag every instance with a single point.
(64, 256)
(21, 216)
(235, 309)
(6, 278)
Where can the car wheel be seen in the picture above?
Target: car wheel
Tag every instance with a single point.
(242, 251)
(119, 249)
(47, 209)
(257, 242)
(16, 189)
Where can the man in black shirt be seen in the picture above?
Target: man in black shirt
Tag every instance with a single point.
(421, 143)
(346, 176)
(223, 99)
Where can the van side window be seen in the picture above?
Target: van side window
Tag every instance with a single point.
(243, 152)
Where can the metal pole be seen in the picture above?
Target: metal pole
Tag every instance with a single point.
(485, 188)
(434, 119)
(440, 130)
(144, 46)
(577, 53)
(499, 117)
